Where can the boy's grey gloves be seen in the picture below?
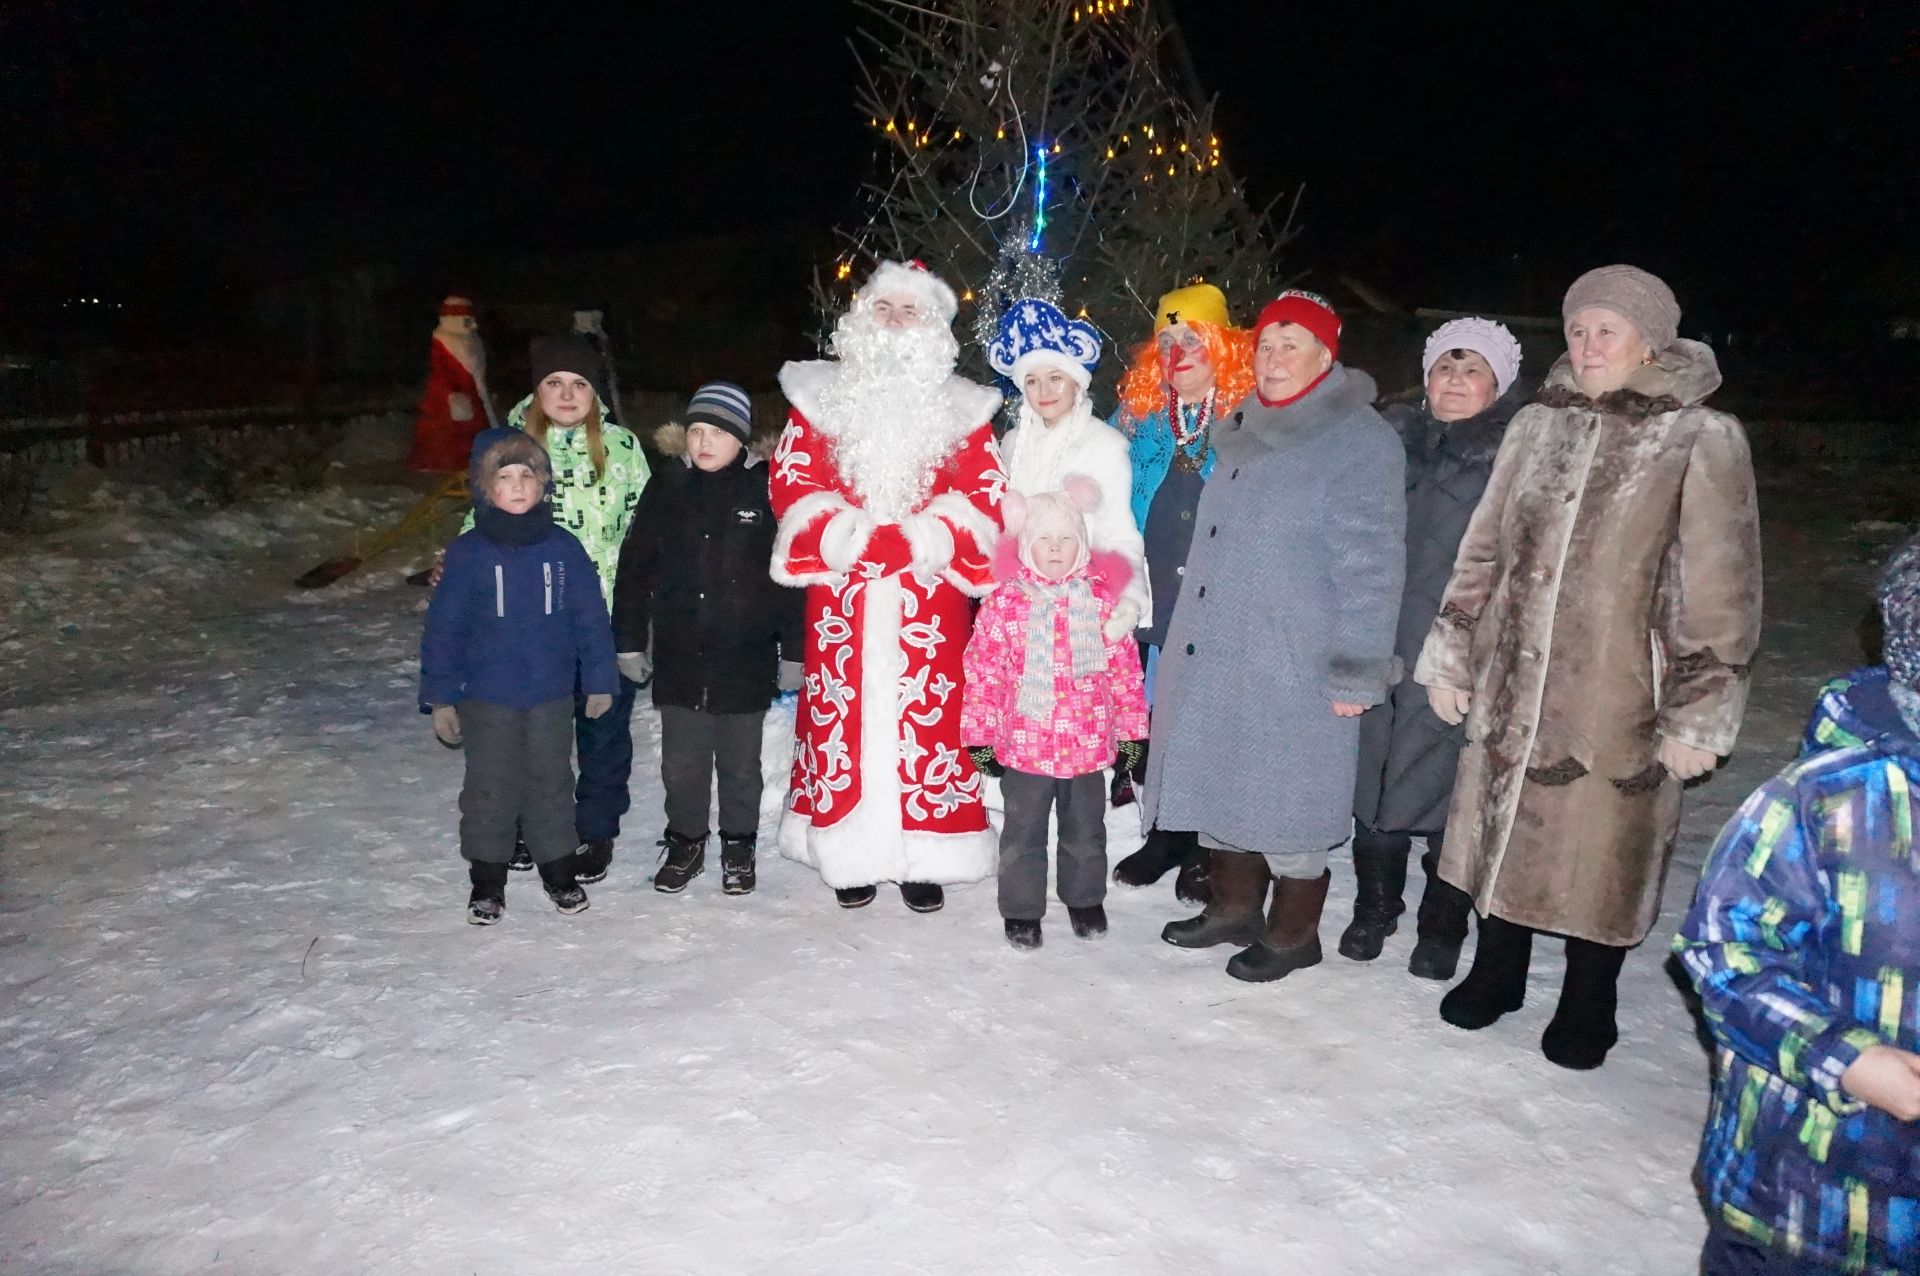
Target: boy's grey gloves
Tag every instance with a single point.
(988, 764)
(598, 703)
(446, 725)
(791, 675)
(636, 666)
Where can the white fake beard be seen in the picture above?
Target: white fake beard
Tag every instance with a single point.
(886, 412)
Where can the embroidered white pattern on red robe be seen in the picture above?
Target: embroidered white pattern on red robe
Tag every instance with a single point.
(886, 796)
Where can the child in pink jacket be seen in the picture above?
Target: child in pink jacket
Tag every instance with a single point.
(1048, 701)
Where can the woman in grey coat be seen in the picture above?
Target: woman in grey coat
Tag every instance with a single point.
(1471, 368)
(1283, 635)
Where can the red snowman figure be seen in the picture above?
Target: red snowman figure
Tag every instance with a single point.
(455, 406)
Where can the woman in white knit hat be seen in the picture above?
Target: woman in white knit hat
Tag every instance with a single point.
(1596, 637)
(1408, 755)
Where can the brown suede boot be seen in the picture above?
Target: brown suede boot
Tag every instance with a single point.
(1292, 938)
(1238, 890)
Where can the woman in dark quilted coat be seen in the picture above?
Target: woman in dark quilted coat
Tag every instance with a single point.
(1407, 755)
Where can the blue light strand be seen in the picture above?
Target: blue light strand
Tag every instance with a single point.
(1039, 200)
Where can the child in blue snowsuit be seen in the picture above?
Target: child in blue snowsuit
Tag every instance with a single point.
(517, 615)
(1804, 941)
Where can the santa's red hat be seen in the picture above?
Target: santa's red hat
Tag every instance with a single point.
(452, 306)
(913, 279)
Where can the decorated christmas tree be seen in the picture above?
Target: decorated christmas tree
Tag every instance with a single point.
(1057, 148)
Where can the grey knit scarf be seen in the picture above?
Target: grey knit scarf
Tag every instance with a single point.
(1036, 698)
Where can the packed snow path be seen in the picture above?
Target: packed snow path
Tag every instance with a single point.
(245, 1028)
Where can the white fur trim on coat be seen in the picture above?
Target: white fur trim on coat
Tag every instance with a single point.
(800, 515)
(893, 278)
(869, 844)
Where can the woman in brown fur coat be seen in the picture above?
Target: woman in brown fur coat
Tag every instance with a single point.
(1595, 636)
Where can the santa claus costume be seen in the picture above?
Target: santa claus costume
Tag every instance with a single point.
(887, 484)
(455, 406)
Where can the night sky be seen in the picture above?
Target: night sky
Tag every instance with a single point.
(1760, 156)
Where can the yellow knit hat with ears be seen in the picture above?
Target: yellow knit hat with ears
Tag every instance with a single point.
(1196, 303)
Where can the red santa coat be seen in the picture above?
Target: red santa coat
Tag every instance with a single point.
(452, 411)
(882, 789)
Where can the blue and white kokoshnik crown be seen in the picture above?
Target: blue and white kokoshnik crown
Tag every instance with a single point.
(1032, 327)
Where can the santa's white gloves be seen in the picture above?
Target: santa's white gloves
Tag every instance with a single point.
(844, 536)
(1448, 705)
(930, 542)
(1123, 621)
(791, 675)
(1685, 761)
(637, 666)
(598, 703)
(459, 406)
(446, 725)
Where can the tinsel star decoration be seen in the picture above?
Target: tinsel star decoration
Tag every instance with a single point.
(1017, 273)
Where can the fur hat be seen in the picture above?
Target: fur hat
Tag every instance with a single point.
(1900, 613)
(1491, 341)
(1027, 518)
(1036, 333)
(892, 278)
(1308, 309)
(569, 352)
(494, 450)
(1644, 300)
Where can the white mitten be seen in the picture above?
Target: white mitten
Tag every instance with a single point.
(845, 534)
(1448, 705)
(1685, 761)
(1124, 620)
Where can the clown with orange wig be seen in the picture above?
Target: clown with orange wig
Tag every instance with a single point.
(1196, 366)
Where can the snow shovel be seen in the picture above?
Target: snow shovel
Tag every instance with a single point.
(430, 509)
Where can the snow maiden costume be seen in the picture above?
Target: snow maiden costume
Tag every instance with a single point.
(886, 484)
(1039, 457)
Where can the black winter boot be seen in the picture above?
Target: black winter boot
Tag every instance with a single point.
(1232, 915)
(737, 875)
(1162, 852)
(562, 887)
(489, 898)
(522, 861)
(1190, 884)
(1498, 981)
(1380, 870)
(1291, 940)
(923, 897)
(1089, 922)
(1023, 933)
(591, 861)
(854, 896)
(685, 859)
(1583, 1027)
(1441, 923)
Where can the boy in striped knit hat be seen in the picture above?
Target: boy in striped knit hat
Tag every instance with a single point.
(1805, 944)
(694, 591)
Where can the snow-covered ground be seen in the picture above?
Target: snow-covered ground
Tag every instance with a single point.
(245, 1028)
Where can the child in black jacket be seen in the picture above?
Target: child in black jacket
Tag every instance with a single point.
(694, 579)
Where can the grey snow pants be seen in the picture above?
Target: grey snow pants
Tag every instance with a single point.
(1081, 804)
(519, 776)
(694, 745)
